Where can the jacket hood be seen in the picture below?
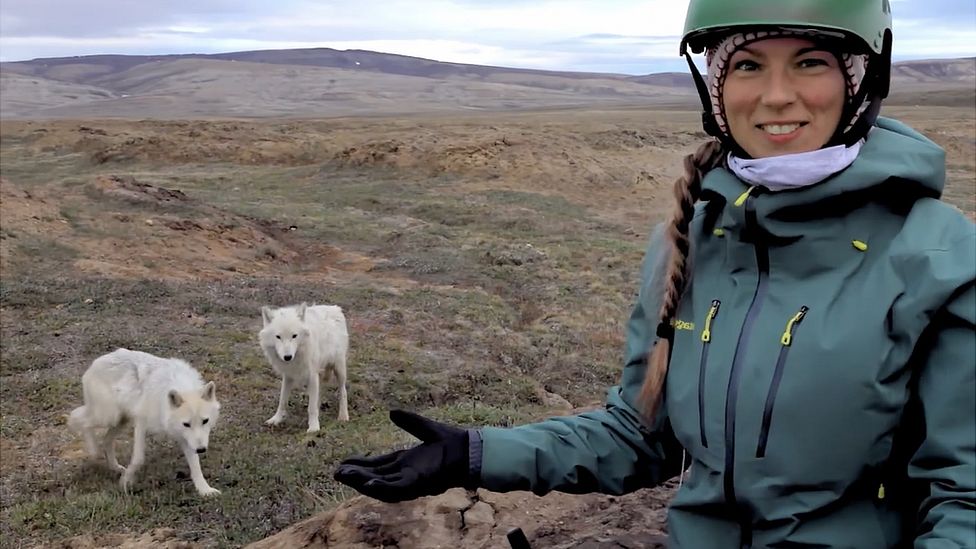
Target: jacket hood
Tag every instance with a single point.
(896, 165)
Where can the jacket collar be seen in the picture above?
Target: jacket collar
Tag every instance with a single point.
(896, 166)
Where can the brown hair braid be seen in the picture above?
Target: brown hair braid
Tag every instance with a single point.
(687, 189)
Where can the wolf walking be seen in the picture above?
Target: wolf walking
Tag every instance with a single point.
(155, 395)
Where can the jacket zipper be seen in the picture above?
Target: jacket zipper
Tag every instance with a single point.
(706, 338)
(732, 393)
(786, 342)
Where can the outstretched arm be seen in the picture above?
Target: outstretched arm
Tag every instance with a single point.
(608, 450)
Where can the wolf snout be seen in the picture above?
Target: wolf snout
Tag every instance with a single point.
(201, 450)
(286, 358)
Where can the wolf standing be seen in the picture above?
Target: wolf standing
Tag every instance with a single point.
(301, 341)
(157, 395)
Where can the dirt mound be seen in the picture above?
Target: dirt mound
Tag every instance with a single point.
(130, 189)
(187, 237)
(27, 214)
(617, 157)
(500, 154)
(120, 227)
(164, 538)
(180, 142)
(481, 520)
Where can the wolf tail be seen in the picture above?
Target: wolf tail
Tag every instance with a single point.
(80, 424)
(78, 419)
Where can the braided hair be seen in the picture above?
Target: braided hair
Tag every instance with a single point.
(687, 189)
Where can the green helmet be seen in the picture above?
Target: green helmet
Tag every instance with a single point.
(865, 25)
(865, 21)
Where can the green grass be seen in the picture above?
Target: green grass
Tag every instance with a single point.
(455, 353)
(485, 322)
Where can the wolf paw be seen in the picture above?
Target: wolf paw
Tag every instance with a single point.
(313, 427)
(207, 492)
(126, 480)
(344, 416)
(275, 420)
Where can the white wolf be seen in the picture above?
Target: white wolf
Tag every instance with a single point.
(157, 395)
(300, 342)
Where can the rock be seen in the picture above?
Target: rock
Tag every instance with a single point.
(481, 519)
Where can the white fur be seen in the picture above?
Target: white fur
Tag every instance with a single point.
(312, 338)
(157, 395)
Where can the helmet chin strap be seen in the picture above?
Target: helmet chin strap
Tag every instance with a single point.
(708, 121)
(863, 124)
(708, 118)
(874, 89)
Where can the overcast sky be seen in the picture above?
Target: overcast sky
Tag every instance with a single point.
(624, 36)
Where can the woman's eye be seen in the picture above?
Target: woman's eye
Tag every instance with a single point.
(186, 424)
(204, 422)
(746, 65)
(813, 62)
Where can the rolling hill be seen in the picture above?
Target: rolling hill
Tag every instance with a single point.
(324, 82)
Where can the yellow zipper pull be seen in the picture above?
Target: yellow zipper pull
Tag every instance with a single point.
(787, 338)
(742, 197)
(712, 312)
(881, 493)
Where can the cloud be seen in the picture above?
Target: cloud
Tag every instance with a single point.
(630, 36)
(945, 13)
(112, 18)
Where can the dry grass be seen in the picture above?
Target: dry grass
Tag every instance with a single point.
(482, 263)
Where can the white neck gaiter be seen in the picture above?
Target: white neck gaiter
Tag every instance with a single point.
(792, 171)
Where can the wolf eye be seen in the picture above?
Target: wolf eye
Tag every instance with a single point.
(204, 422)
(279, 337)
(186, 424)
(293, 336)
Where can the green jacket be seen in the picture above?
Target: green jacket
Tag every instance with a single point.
(832, 402)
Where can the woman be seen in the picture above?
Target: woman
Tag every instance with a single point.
(804, 333)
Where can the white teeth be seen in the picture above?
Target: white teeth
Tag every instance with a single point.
(780, 129)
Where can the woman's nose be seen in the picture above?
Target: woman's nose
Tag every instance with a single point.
(780, 89)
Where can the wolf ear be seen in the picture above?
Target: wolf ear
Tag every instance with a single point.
(175, 400)
(267, 314)
(209, 391)
(301, 311)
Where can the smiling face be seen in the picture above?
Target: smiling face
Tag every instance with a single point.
(783, 96)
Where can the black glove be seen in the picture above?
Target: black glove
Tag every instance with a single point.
(439, 463)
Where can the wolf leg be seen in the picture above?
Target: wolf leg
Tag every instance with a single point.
(286, 386)
(108, 447)
(340, 375)
(138, 454)
(313, 402)
(196, 474)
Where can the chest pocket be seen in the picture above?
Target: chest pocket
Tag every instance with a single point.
(706, 340)
(786, 343)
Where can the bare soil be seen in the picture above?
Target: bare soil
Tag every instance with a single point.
(486, 264)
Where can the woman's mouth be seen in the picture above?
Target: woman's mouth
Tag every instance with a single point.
(781, 132)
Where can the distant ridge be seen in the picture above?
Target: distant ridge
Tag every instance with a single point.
(324, 82)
